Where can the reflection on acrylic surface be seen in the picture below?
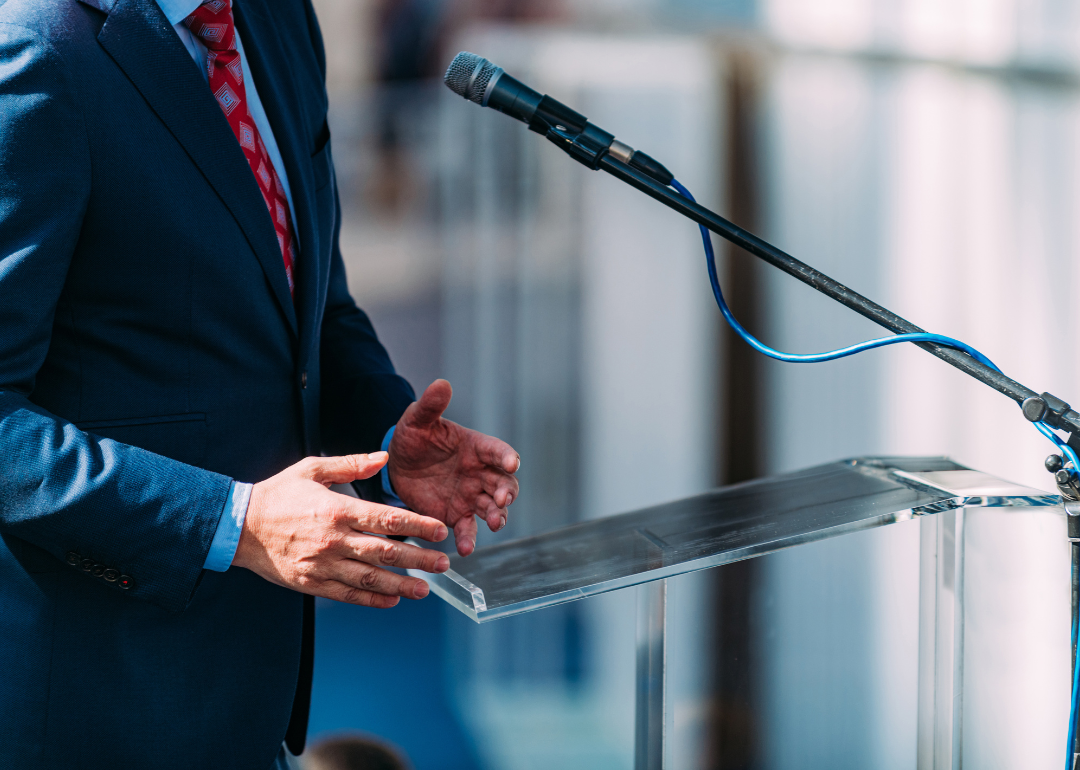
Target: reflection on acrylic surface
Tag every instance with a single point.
(716, 528)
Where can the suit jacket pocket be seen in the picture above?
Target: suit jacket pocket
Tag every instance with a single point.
(180, 437)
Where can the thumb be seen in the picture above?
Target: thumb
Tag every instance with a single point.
(432, 404)
(342, 470)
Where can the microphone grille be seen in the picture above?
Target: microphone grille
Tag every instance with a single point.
(468, 75)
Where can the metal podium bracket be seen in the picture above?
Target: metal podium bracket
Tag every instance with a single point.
(1072, 512)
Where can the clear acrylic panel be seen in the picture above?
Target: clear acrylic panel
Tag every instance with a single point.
(994, 639)
(715, 528)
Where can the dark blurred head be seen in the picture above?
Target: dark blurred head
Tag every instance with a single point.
(354, 752)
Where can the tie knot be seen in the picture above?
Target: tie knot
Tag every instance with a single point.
(212, 23)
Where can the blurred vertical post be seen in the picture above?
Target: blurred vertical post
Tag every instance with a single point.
(732, 715)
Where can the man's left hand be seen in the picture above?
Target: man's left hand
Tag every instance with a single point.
(451, 473)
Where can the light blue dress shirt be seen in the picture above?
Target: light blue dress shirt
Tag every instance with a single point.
(227, 535)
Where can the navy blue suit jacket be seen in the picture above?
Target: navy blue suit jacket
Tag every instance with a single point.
(150, 353)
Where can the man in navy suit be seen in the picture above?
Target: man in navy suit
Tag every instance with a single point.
(183, 374)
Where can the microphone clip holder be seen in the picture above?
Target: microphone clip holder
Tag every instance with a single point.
(587, 147)
(588, 144)
(571, 132)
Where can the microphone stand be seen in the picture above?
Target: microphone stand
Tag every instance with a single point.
(1052, 410)
(1045, 407)
(478, 80)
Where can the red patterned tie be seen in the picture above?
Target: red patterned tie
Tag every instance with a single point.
(212, 23)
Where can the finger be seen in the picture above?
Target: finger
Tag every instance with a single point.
(386, 520)
(497, 453)
(465, 535)
(490, 512)
(431, 405)
(377, 580)
(390, 553)
(342, 470)
(340, 592)
(502, 487)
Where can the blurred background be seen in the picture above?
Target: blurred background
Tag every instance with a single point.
(925, 152)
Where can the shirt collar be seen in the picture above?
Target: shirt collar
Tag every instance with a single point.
(178, 10)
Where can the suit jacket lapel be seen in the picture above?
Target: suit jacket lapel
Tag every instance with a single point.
(270, 66)
(142, 42)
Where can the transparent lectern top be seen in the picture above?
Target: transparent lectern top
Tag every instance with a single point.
(718, 527)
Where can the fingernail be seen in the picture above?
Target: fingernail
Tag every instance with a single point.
(421, 591)
(502, 521)
(509, 500)
(442, 564)
(377, 457)
(441, 533)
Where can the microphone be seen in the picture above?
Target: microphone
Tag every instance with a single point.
(480, 81)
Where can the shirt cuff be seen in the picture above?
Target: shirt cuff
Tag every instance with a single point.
(227, 536)
(389, 498)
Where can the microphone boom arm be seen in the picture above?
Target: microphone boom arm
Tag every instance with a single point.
(1036, 407)
(479, 81)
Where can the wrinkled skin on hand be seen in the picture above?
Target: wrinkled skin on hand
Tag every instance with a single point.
(301, 535)
(451, 473)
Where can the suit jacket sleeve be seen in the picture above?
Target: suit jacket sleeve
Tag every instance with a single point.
(61, 489)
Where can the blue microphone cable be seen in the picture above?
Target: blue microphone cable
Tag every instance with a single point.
(832, 355)
(813, 358)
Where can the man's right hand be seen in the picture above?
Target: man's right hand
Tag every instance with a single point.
(300, 535)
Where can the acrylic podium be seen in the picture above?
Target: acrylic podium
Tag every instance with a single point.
(980, 627)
